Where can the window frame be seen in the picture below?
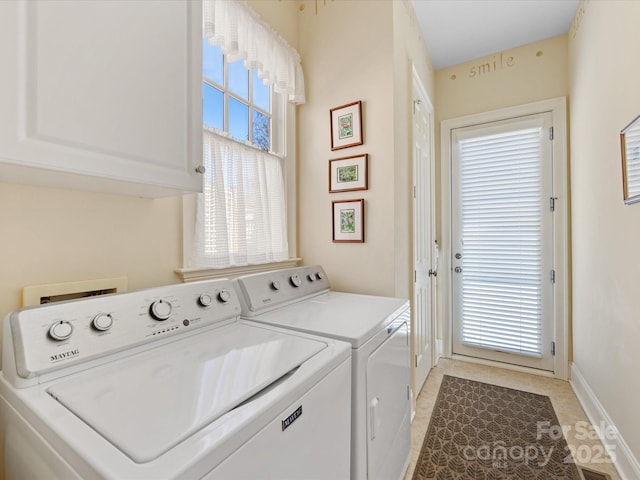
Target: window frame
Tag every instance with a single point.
(277, 114)
(557, 106)
(283, 144)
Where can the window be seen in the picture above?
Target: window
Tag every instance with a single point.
(242, 212)
(235, 100)
(250, 78)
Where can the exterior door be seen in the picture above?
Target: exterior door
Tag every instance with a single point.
(423, 236)
(502, 241)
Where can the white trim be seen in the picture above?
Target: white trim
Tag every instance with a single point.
(558, 108)
(504, 366)
(195, 274)
(419, 93)
(285, 141)
(623, 459)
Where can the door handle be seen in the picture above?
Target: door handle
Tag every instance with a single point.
(458, 256)
(374, 421)
(458, 269)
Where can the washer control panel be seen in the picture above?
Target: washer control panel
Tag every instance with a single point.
(57, 335)
(264, 291)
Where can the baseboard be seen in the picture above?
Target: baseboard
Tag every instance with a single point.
(625, 462)
(438, 351)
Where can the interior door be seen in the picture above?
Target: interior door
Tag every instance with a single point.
(502, 241)
(423, 236)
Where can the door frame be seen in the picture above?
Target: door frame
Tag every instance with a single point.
(558, 108)
(418, 92)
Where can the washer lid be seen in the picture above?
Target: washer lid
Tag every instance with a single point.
(349, 317)
(148, 403)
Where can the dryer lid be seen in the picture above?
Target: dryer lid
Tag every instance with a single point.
(148, 403)
(349, 317)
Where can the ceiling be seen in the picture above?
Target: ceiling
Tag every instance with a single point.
(457, 31)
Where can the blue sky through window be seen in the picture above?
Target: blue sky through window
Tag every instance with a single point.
(242, 115)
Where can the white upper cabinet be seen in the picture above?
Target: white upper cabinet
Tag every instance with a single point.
(102, 95)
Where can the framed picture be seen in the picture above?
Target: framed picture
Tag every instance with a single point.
(347, 174)
(346, 125)
(348, 221)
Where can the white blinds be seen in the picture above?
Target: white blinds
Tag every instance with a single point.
(241, 34)
(501, 207)
(241, 218)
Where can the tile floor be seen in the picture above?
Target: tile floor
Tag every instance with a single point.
(565, 404)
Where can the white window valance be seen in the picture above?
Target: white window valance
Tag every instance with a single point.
(241, 34)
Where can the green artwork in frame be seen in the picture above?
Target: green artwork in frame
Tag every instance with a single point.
(347, 220)
(345, 124)
(348, 174)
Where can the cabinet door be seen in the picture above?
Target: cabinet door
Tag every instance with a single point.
(102, 95)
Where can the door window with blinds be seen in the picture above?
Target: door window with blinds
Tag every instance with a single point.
(502, 241)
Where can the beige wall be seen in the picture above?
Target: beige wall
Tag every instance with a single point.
(360, 50)
(54, 235)
(533, 72)
(409, 53)
(603, 78)
(281, 15)
(526, 74)
(347, 55)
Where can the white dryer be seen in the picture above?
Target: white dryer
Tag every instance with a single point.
(300, 299)
(169, 383)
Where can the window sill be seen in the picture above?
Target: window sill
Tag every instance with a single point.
(195, 274)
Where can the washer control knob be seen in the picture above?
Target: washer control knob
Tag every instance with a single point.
(160, 310)
(61, 330)
(102, 322)
(224, 296)
(312, 277)
(275, 285)
(319, 275)
(295, 280)
(204, 300)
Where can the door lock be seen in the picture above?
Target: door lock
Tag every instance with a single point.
(458, 269)
(433, 273)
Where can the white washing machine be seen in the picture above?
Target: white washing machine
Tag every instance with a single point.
(169, 383)
(300, 299)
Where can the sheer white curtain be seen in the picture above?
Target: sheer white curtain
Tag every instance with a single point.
(241, 217)
(241, 34)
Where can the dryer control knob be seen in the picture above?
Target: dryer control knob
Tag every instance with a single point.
(224, 296)
(204, 300)
(319, 275)
(102, 322)
(312, 277)
(275, 285)
(295, 280)
(61, 330)
(160, 310)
